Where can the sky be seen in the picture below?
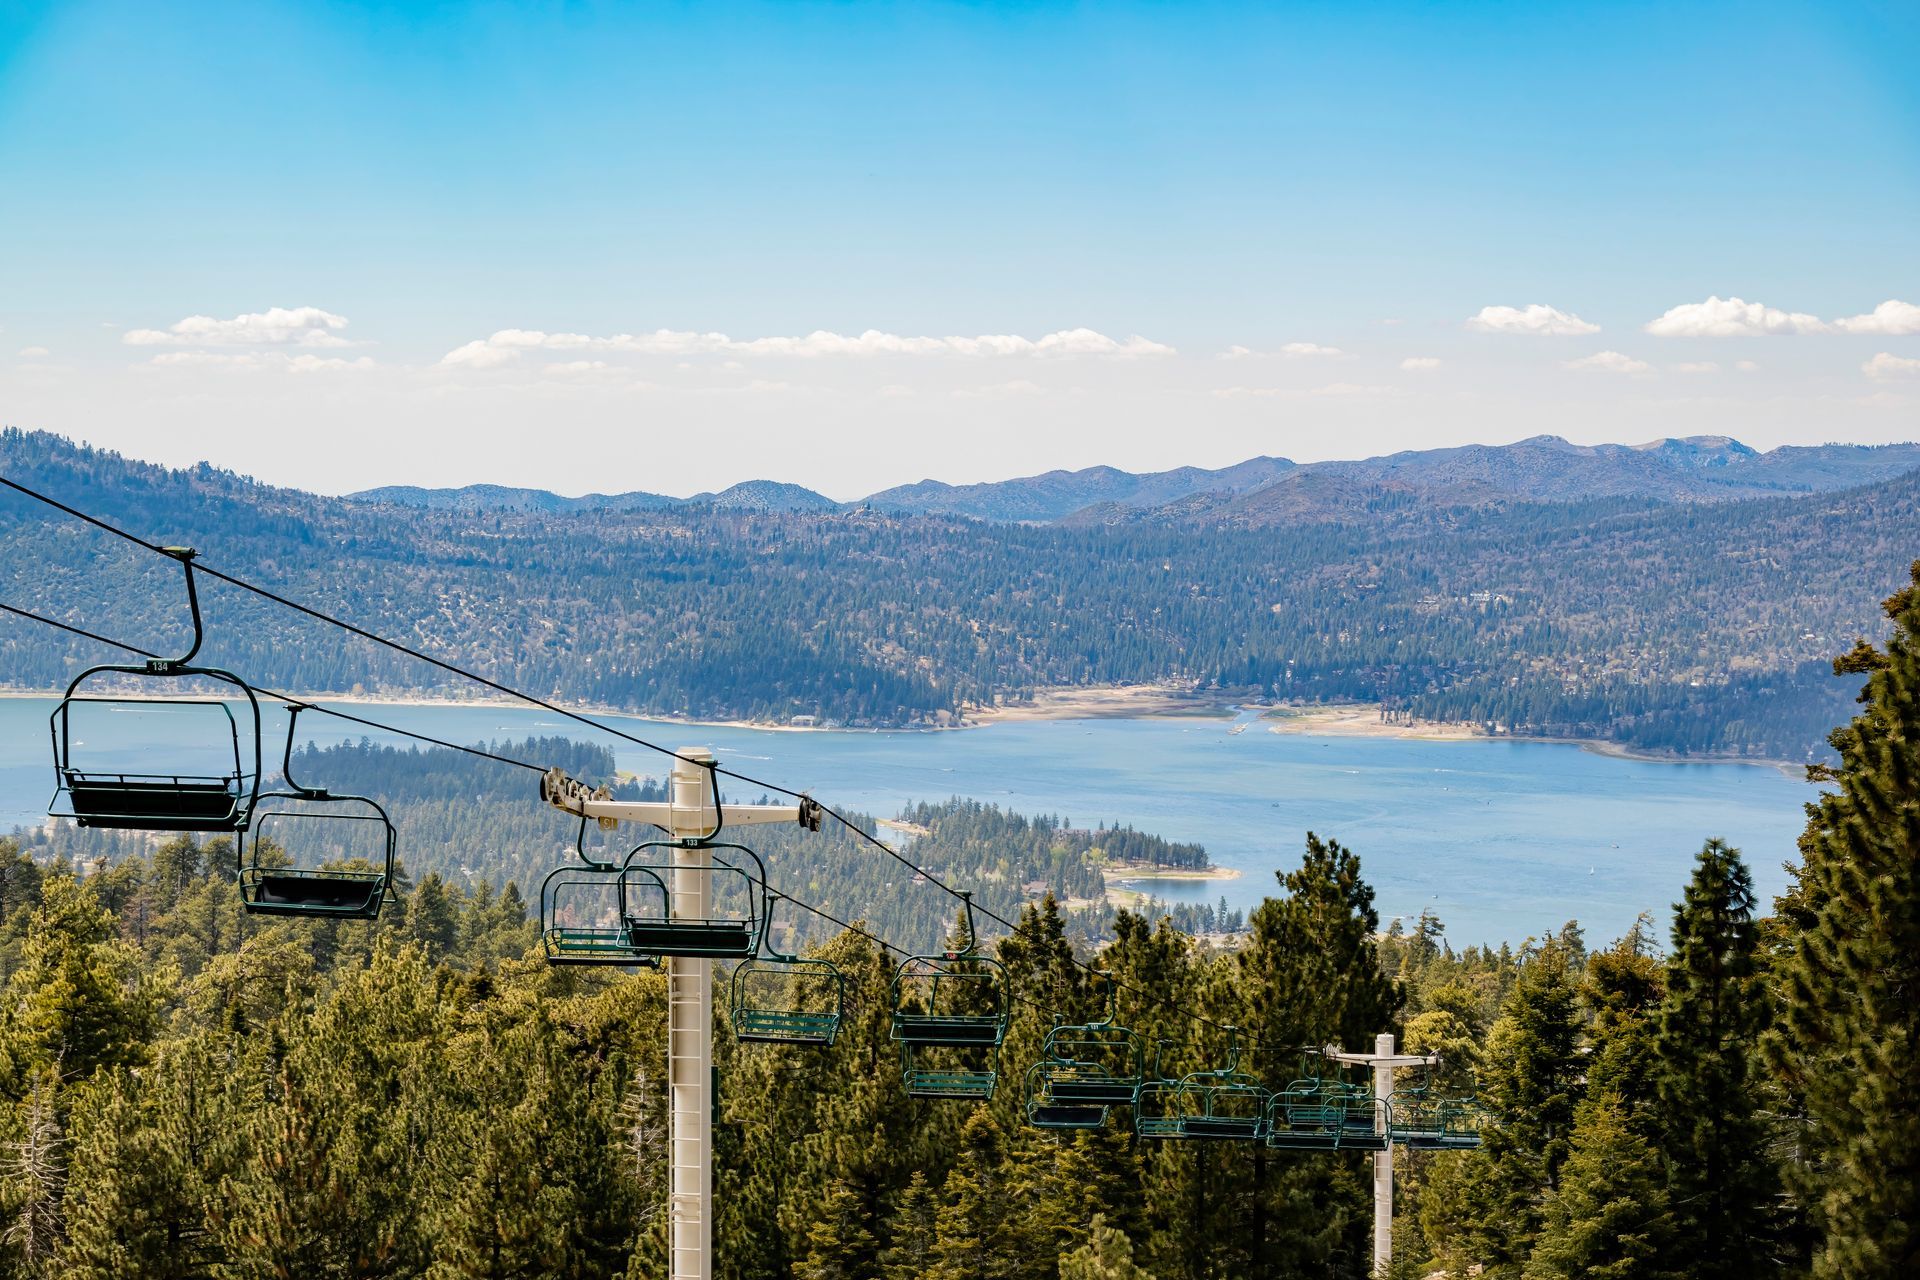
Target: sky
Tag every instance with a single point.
(671, 247)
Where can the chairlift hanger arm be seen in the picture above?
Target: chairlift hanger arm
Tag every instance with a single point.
(682, 822)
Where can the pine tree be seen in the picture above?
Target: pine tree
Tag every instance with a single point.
(1622, 992)
(1483, 1207)
(1607, 1219)
(1722, 1180)
(912, 1231)
(78, 999)
(123, 1203)
(840, 1241)
(971, 1230)
(1849, 1017)
(1107, 1255)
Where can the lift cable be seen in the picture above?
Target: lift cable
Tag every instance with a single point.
(589, 721)
(282, 697)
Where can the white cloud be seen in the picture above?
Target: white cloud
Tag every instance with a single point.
(1420, 364)
(1731, 318)
(1746, 366)
(33, 353)
(1610, 362)
(574, 368)
(1236, 352)
(327, 364)
(1536, 319)
(1352, 389)
(1891, 319)
(184, 359)
(1887, 365)
(1308, 351)
(276, 326)
(1002, 390)
(1696, 366)
(506, 344)
(259, 360)
(1332, 389)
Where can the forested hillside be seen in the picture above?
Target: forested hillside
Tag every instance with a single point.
(1688, 628)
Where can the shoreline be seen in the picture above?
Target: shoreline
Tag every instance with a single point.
(1103, 702)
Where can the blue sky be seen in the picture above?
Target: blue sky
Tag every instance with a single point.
(1336, 190)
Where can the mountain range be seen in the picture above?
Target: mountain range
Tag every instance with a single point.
(1263, 490)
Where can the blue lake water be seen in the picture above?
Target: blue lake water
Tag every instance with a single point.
(1502, 840)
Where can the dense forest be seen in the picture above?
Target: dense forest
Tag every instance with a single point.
(1682, 627)
(192, 1094)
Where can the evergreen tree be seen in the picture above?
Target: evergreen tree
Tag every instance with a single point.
(1107, 1255)
(840, 1243)
(1607, 1219)
(912, 1232)
(1849, 1019)
(1483, 1208)
(971, 1229)
(1723, 1181)
(78, 1000)
(1622, 992)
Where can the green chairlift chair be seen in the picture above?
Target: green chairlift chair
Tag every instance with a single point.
(189, 800)
(736, 920)
(1084, 1069)
(1226, 1104)
(1157, 1102)
(950, 1010)
(583, 910)
(774, 998)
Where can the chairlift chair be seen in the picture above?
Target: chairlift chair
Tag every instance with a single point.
(646, 904)
(1107, 1059)
(1050, 1097)
(582, 921)
(339, 892)
(775, 998)
(184, 801)
(957, 1000)
(1156, 1103)
(1226, 1104)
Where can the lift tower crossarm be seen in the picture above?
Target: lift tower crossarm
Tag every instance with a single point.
(689, 813)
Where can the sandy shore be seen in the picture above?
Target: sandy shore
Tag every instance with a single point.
(1360, 720)
(1106, 702)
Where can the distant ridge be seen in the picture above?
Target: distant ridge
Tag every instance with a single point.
(749, 495)
(1261, 490)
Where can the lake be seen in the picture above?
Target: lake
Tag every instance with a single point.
(1500, 839)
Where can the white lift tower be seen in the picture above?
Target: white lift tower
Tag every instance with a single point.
(1384, 1062)
(690, 815)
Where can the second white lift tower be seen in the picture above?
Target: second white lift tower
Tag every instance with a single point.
(691, 815)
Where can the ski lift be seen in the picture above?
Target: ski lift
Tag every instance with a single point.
(1107, 1054)
(314, 816)
(956, 1001)
(583, 913)
(1424, 1122)
(652, 926)
(1051, 1101)
(1156, 1103)
(1084, 1069)
(1226, 1104)
(184, 801)
(775, 998)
